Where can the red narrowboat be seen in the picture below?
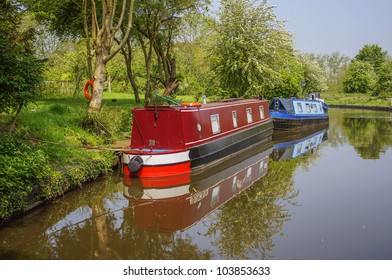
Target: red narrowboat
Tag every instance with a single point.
(172, 140)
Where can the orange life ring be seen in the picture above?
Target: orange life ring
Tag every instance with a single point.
(191, 104)
(85, 89)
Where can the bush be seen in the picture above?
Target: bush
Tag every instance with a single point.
(22, 166)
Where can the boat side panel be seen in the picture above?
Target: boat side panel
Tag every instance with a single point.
(159, 128)
(198, 127)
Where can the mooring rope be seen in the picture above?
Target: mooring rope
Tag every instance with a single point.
(77, 146)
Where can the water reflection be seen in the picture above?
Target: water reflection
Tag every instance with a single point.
(302, 143)
(369, 134)
(262, 204)
(162, 207)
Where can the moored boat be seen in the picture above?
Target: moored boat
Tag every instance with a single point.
(296, 113)
(173, 140)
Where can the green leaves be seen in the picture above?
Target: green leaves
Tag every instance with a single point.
(369, 72)
(20, 72)
(360, 77)
(251, 49)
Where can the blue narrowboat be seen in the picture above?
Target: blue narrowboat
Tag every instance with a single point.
(294, 113)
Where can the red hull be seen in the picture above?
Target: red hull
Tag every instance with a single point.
(170, 140)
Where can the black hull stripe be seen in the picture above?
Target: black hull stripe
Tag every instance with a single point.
(284, 124)
(229, 145)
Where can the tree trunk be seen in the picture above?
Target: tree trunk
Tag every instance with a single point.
(133, 82)
(99, 79)
(13, 124)
(171, 87)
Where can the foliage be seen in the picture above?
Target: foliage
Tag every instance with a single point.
(22, 166)
(46, 153)
(290, 83)
(372, 54)
(20, 72)
(334, 66)
(369, 72)
(360, 77)
(314, 79)
(251, 48)
(384, 83)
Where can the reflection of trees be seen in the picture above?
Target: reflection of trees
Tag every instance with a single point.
(87, 224)
(246, 225)
(370, 136)
(336, 135)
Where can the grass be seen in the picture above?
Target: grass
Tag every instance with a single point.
(48, 147)
(356, 99)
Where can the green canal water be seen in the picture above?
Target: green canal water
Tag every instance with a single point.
(314, 195)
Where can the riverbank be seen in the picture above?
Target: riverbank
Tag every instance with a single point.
(362, 107)
(57, 147)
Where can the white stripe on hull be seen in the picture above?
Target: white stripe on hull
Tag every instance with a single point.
(161, 193)
(159, 159)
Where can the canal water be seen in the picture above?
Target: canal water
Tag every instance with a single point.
(319, 194)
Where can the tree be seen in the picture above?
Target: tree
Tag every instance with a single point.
(334, 66)
(384, 83)
(103, 33)
(251, 48)
(289, 84)
(313, 76)
(156, 23)
(360, 77)
(372, 54)
(20, 71)
(112, 19)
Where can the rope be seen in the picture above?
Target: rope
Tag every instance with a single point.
(76, 146)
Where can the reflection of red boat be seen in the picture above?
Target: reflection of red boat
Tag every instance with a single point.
(171, 140)
(180, 206)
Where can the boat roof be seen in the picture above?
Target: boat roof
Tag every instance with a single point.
(215, 103)
(288, 104)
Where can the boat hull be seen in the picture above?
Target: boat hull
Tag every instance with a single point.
(282, 123)
(167, 163)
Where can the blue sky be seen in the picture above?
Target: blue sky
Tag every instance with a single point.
(325, 26)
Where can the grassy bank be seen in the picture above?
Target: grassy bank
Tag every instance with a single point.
(49, 152)
(356, 99)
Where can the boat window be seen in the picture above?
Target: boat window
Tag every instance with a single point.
(249, 115)
(315, 108)
(299, 107)
(307, 107)
(215, 124)
(262, 116)
(321, 109)
(234, 115)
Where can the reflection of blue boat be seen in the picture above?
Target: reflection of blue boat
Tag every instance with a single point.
(295, 113)
(294, 148)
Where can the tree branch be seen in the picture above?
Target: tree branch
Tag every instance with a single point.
(126, 35)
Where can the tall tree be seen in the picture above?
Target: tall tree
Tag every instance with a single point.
(156, 23)
(251, 49)
(103, 33)
(102, 23)
(334, 66)
(313, 74)
(360, 77)
(20, 72)
(372, 54)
